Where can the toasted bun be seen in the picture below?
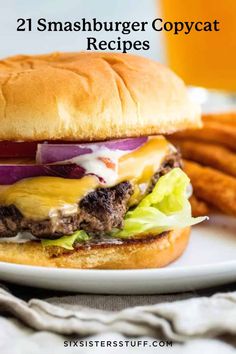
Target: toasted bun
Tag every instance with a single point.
(151, 252)
(90, 96)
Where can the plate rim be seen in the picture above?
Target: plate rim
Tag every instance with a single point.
(182, 270)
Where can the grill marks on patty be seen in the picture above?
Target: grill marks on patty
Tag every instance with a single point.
(100, 211)
(10, 219)
(105, 208)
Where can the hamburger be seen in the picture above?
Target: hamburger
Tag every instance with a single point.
(88, 179)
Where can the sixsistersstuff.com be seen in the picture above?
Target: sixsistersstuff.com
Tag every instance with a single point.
(121, 343)
(123, 28)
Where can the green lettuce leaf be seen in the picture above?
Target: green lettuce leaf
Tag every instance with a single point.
(67, 242)
(165, 208)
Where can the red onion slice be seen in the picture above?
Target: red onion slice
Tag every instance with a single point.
(10, 174)
(51, 153)
(47, 154)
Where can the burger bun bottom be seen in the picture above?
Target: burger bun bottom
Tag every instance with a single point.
(149, 252)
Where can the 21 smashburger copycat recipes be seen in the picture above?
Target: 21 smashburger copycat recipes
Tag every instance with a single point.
(87, 178)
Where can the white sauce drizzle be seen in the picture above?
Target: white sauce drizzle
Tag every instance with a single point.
(93, 164)
(21, 237)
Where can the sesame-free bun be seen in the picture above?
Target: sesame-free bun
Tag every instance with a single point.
(90, 96)
(152, 252)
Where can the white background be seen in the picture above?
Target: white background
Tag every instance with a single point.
(13, 42)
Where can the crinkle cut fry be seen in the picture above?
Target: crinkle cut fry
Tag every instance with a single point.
(211, 132)
(223, 118)
(208, 154)
(199, 207)
(213, 186)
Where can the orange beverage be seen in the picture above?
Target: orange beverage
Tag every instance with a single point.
(205, 59)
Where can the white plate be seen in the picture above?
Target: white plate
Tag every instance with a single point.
(210, 259)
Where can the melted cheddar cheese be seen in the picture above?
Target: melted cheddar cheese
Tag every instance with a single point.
(40, 197)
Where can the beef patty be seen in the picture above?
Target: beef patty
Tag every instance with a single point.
(100, 211)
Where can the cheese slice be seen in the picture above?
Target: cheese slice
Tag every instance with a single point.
(38, 198)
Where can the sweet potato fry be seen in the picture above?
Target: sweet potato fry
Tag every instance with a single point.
(211, 132)
(213, 186)
(223, 118)
(199, 208)
(208, 154)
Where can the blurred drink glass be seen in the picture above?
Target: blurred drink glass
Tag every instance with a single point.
(205, 59)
